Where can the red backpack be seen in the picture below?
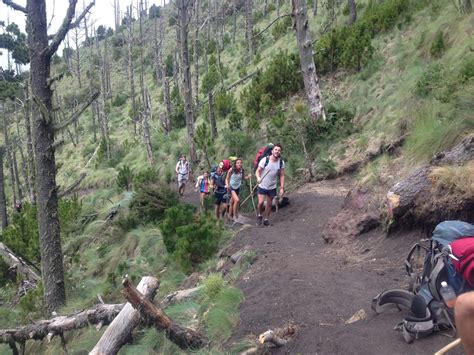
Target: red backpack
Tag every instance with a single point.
(262, 153)
(227, 165)
(463, 250)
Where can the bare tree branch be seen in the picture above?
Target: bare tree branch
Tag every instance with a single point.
(67, 25)
(15, 6)
(79, 112)
(270, 24)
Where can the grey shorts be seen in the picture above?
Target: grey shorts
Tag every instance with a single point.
(182, 179)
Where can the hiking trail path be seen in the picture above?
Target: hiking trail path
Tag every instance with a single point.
(299, 278)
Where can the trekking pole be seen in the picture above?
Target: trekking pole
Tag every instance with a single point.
(251, 194)
(253, 190)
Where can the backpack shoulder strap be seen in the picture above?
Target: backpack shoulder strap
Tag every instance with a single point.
(267, 160)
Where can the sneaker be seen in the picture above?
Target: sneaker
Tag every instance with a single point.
(259, 220)
(266, 222)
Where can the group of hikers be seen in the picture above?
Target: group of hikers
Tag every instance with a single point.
(225, 182)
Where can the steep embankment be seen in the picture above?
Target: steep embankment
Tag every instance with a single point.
(298, 278)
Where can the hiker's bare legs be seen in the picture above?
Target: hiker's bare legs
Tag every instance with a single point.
(218, 214)
(464, 312)
(261, 203)
(234, 205)
(201, 195)
(268, 207)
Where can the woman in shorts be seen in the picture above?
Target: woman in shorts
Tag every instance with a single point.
(233, 183)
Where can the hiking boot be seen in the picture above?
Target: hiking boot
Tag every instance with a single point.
(259, 220)
(266, 222)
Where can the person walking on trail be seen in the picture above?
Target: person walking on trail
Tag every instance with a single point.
(182, 171)
(268, 171)
(233, 183)
(204, 184)
(220, 191)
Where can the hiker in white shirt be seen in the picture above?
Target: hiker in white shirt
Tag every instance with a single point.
(182, 171)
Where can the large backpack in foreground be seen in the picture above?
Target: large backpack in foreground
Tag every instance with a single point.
(429, 263)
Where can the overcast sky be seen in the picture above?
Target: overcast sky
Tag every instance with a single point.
(102, 13)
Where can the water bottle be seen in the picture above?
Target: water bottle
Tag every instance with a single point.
(448, 294)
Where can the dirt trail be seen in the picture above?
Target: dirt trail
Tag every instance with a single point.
(299, 278)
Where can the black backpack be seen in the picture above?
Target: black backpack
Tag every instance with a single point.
(427, 265)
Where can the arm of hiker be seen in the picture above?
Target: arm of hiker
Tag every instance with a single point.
(258, 174)
(282, 181)
(198, 181)
(227, 178)
(176, 168)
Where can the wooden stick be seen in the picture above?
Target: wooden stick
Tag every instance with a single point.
(121, 327)
(448, 347)
(185, 338)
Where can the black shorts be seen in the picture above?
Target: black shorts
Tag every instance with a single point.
(220, 198)
(237, 191)
(270, 193)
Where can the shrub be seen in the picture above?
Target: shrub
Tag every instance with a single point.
(150, 201)
(145, 177)
(127, 222)
(467, 70)
(213, 286)
(197, 242)
(281, 28)
(281, 78)
(437, 46)
(119, 100)
(178, 116)
(224, 103)
(124, 178)
(430, 79)
(175, 217)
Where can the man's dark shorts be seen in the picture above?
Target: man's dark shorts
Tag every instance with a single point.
(270, 193)
(220, 198)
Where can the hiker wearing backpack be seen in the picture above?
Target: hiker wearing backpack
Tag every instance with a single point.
(233, 183)
(182, 171)
(268, 171)
(204, 184)
(263, 152)
(220, 191)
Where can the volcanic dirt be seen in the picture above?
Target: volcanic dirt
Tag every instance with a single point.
(318, 287)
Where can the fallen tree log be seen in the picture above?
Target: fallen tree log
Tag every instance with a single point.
(179, 296)
(185, 338)
(72, 187)
(100, 315)
(27, 271)
(405, 200)
(119, 331)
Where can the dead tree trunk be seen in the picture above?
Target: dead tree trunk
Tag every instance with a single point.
(100, 315)
(212, 116)
(131, 76)
(27, 271)
(29, 145)
(249, 29)
(184, 12)
(169, 109)
(76, 40)
(121, 327)
(315, 7)
(406, 200)
(16, 174)
(196, 56)
(41, 51)
(310, 77)
(9, 155)
(3, 199)
(352, 12)
(102, 115)
(185, 338)
(146, 113)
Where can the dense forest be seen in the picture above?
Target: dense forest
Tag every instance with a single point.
(94, 119)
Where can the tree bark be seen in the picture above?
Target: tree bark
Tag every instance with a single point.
(121, 327)
(212, 116)
(3, 200)
(27, 271)
(196, 56)
(101, 315)
(8, 150)
(249, 29)
(310, 77)
(146, 114)
(184, 9)
(185, 338)
(352, 12)
(131, 76)
(29, 144)
(169, 109)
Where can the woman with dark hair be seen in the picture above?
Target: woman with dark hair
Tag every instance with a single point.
(233, 183)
